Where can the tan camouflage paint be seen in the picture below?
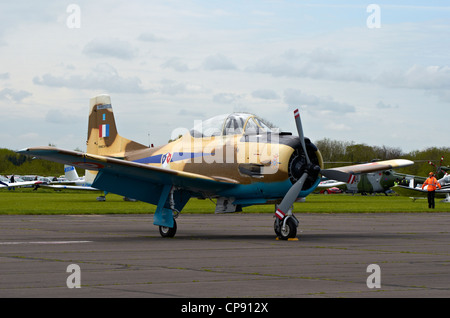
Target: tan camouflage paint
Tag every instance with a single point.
(227, 152)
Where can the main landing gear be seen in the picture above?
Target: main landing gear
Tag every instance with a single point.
(166, 231)
(163, 214)
(286, 227)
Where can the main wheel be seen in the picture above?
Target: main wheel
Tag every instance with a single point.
(290, 231)
(168, 231)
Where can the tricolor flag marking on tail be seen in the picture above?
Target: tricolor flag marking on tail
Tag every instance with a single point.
(103, 131)
(279, 214)
(296, 113)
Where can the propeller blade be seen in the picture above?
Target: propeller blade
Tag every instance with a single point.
(334, 174)
(290, 196)
(297, 187)
(298, 122)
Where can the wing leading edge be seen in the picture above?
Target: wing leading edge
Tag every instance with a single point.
(136, 180)
(347, 173)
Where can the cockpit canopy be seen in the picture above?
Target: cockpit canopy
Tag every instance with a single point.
(231, 124)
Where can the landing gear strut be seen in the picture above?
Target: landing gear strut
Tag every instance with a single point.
(166, 231)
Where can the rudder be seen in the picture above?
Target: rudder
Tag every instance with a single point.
(103, 138)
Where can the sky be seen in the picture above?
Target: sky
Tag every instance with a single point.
(369, 72)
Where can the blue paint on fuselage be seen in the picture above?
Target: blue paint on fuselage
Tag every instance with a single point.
(256, 193)
(176, 156)
(244, 194)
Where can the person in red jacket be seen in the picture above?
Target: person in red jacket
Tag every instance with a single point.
(431, 184)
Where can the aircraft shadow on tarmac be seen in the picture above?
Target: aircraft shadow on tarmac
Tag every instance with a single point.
(305, 237)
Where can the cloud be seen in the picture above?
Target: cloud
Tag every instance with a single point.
(382, 105)
(315, 103)
(265, 94)
(317, 64)
(14, 95)
(103, 76)
(218, 62)
(418, 77)
(338, 126)
(150, 37)
(109, 47)
(176, 64)
(170, 87)
(185, 112)
(226, 98)
(56, 116)
(4, 76)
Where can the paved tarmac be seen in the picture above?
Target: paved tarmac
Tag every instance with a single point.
(233, 255)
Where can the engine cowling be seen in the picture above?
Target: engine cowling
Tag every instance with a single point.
(298, 164)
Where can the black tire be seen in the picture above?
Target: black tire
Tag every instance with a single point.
(290, 230)
(168, 231)
(276, 227)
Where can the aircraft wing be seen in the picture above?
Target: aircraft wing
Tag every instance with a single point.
(69, 187)
(19, 184)
(330, 184)
(347, 173)
(418, 192)
(129, 178)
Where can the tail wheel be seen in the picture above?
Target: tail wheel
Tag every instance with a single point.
(168, 231)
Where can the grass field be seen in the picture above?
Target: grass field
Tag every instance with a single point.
(27, 201)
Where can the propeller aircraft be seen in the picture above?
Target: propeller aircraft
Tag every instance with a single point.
(375, 182)
(234, 158)
(415, 191)
(6, 183)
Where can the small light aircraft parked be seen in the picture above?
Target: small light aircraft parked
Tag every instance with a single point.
(74, 182)
(416, 192)
(235, 158)
(6, 183)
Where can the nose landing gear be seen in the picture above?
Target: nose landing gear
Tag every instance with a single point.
(285, 226)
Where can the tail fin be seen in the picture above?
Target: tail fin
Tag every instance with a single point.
(70, 173)
(103, 138)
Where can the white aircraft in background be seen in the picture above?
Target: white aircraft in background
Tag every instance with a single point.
(325, 184)
(74, 182)
(5, 183)
(418, 192)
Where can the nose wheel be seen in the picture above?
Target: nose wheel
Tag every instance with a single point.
(286, 228)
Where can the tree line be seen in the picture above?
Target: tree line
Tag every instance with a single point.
(335, 153)
(13, 163)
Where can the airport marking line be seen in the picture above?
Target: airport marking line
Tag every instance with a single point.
(44, 242)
